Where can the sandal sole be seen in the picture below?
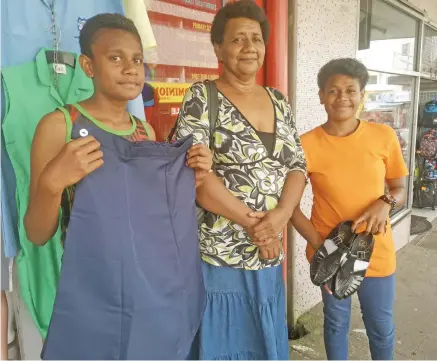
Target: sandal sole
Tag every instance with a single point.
(323, 266)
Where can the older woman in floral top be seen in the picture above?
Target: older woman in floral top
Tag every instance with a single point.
(258, 166)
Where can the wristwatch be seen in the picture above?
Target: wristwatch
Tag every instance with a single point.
(389, 199)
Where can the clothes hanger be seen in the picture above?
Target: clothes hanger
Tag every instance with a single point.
(60, 57)
(55, 56)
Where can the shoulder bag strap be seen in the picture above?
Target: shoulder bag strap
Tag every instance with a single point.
(212, 98)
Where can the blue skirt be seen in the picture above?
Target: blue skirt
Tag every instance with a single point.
(244, 315)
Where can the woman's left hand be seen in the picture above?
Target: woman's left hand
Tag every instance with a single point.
(375, 218)
(199, 158)
(271, 251)
(269, 228)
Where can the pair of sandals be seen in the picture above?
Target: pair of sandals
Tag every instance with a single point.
(342, 261)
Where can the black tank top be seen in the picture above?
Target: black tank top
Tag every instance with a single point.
(268, 139)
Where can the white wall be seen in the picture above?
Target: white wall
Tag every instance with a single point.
(324, 30)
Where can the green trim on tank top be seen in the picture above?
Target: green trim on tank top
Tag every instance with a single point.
(103, 126)
(68, 122)
(144, 124)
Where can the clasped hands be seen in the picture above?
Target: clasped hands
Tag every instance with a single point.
(265, 231)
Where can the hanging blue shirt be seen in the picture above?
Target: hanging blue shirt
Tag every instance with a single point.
(9, 219)
(25, 29)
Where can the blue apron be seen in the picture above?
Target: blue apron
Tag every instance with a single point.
(131, 283)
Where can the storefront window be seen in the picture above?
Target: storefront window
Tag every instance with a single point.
(388, 37)
(184, 55)
(389, 47)
(389, 100)
(429, 53)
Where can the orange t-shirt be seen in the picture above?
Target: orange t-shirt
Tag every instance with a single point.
(347, 175)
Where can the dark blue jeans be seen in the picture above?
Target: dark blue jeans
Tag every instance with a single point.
(376, 296)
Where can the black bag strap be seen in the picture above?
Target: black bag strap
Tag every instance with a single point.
(213, 109)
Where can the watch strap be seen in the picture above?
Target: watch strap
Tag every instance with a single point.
(389, 199)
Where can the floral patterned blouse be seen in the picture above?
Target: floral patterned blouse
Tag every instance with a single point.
(243, 163)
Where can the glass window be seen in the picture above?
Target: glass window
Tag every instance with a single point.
(387, 37)
(184, 55)
(429, 53)
(390, 101)
(425, 171)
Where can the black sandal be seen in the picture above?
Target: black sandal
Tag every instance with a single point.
(332, 254)
(352, 271)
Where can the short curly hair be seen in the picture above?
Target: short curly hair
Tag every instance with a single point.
(344, 66)
(238, 9)
(89, 30)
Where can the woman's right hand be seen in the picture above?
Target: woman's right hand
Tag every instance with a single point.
(76, 160)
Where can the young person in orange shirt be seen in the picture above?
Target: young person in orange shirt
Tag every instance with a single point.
(350, 162)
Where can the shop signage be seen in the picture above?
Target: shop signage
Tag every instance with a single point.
(192, 74)
(170, 92)
(196, 25)
(200, 74)
(210, 6)
(201, 77)
(175, 22)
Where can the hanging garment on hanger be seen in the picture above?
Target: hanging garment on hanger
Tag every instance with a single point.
(131, 285)
(6, 276)
(25, 25)
(29, 95)
(9, 219)
(9, 216)
(9, 237)
(25, 28)
(137, 12)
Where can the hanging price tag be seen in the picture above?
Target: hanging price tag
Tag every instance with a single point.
(60, 68)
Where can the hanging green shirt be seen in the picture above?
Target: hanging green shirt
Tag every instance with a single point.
(30, 93)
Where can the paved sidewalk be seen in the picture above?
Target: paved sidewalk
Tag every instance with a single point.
(415, 311)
